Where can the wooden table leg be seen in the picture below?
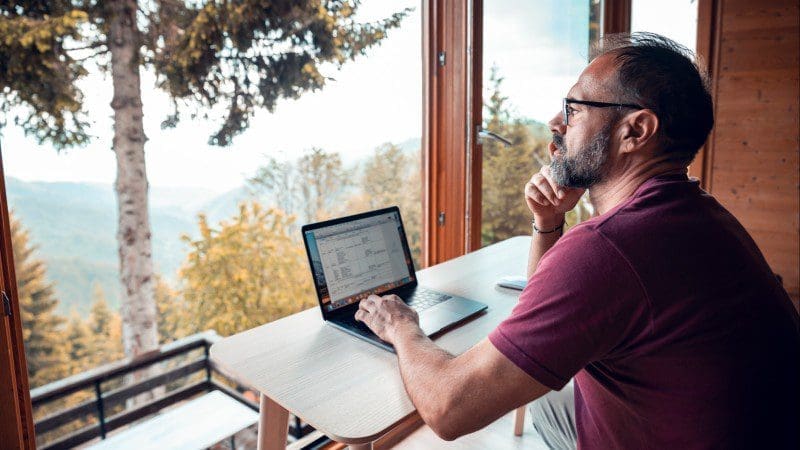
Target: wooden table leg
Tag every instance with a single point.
(273, 425)
(366, 446)
(519, 420)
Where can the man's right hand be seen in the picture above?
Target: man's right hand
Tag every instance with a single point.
(548, 201)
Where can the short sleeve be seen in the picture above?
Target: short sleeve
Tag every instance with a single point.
(581, 304)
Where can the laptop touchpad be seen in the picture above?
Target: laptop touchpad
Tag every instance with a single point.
(436, 318)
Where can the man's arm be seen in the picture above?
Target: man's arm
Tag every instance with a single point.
(454, 395)
(459, 395)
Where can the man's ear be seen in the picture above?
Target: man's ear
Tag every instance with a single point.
(638, 130)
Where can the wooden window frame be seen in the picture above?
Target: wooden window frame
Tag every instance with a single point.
(16, 420)
(451, 156)
(709, 12)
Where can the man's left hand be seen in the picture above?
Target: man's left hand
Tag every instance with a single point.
(387, 316)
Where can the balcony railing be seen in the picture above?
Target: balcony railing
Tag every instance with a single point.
(182, 370)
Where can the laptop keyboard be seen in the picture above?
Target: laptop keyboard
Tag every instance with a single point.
(421, 300)
(424, 299)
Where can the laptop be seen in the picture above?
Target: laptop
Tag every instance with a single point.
(355, 256)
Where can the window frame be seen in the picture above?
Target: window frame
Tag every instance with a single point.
(16, 417)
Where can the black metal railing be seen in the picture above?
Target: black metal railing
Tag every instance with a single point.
(184, 370)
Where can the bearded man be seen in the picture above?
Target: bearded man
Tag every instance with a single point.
(661, 308)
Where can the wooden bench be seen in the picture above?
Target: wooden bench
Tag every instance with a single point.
(196, 424)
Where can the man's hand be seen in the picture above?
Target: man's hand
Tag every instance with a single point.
(387, 316)
(548, 201)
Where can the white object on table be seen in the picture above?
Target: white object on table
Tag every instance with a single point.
(515, 282)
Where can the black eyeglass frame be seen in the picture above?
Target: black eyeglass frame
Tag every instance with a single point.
(566, 102)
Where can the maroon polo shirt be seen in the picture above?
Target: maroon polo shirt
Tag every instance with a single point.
(677, 333)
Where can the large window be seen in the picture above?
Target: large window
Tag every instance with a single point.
(226, 243)
(533, 53)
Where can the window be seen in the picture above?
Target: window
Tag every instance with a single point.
(532, 55)
(225, 221)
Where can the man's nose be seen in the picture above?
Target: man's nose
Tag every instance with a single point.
(556, 124)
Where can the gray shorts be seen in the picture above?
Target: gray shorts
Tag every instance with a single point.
(553, 417)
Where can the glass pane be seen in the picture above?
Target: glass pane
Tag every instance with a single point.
(676, 20)
(226, 246)
(532, 54)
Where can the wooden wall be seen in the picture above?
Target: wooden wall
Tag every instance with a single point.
(750, 163)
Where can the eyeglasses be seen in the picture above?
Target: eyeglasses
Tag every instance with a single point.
(566, 110)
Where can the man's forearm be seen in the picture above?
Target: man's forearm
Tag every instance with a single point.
(424, 368)
(542, 242)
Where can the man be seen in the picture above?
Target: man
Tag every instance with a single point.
(661, 307)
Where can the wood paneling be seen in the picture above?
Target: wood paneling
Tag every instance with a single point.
(751, 163)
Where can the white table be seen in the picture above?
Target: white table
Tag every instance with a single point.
(349, 389)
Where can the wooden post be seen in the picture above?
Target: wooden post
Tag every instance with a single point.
(273, 425)
(519, 421)
(366, 446)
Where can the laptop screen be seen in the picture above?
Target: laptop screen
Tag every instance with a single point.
(352, 259)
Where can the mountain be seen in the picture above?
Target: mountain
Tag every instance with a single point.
(74, 227)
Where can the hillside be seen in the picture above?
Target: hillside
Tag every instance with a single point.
(74, 227)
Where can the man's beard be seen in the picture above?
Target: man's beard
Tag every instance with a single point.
(585, 169)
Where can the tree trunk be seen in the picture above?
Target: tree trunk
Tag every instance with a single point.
(139, 330)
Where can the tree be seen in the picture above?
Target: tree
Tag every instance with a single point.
(390, 177)
(41, 325)
(79, 344)
(172, 316)
(247, 272)
(105, 328)
(241, 55)
(312, 186)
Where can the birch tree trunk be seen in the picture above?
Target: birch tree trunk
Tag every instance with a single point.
(139, 330)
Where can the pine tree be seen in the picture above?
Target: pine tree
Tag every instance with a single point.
(79, 344)
(105, 330)
(41, 325)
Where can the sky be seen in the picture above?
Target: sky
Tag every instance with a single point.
(540, 47)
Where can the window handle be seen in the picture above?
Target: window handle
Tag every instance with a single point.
(486, 134)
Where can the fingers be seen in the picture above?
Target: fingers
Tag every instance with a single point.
(548, 175)
(532, 192)
(544, 186)
(360, 315)
(369, 304)
(542, 191)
